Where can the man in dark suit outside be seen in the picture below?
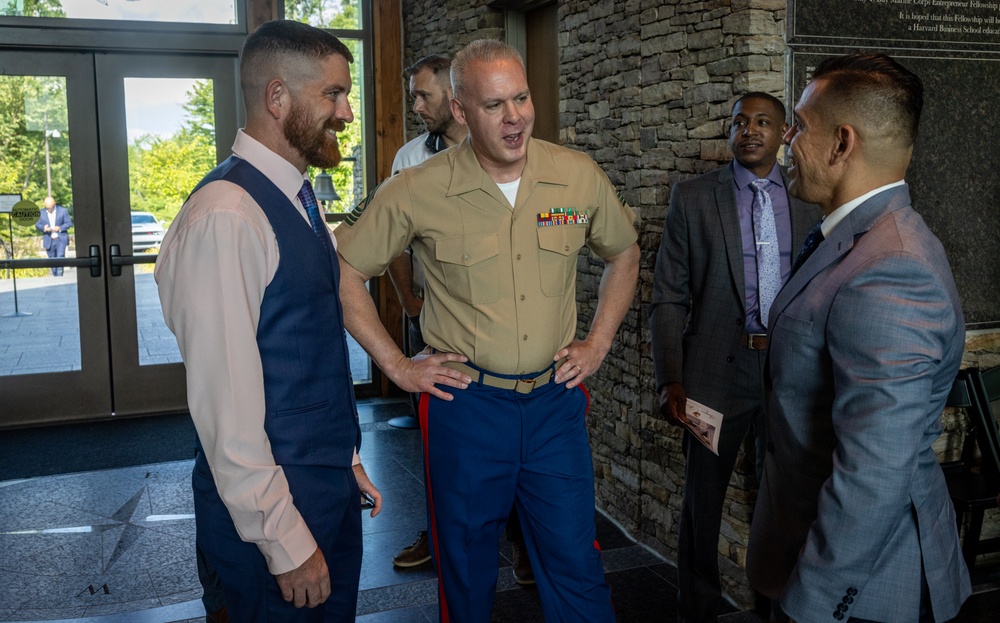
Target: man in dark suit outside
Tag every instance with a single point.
(853, 520)
(54, 224)
(709, 323)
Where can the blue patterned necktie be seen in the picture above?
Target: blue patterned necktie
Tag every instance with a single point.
(768, 254)
(812, 241)
(308, 200)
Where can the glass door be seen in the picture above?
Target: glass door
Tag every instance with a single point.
(54, 360)
(160, 132)
(118, 140)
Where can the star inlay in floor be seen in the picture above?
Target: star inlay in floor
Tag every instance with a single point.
(73, 546)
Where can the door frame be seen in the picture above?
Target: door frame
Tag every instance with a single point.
(157, 388)
(78, 394)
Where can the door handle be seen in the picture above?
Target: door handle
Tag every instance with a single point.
(91, 261)
(95, 260)
(117, 260)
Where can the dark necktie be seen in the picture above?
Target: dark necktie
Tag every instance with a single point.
(812, 241)
(308, 200)
(766, 242)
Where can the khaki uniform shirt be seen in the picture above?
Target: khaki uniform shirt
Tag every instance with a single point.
(500, 289)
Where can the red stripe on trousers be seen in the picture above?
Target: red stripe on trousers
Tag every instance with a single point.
(425, 399)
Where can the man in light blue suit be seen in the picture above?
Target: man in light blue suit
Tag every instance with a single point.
(54, 223)
(853, 519)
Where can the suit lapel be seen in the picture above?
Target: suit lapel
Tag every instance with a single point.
(725, 202)
(802, 218)
(841, 241)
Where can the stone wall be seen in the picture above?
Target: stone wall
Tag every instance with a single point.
(442, 27)
(646, 87)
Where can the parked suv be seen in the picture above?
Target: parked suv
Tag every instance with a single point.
(147, 232)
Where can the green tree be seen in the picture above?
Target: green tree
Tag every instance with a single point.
(200, 109)
(332, 14)
(341, 15)
(29, 104)
(163, 170)
(32, 8)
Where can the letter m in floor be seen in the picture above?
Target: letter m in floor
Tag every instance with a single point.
(93, 591)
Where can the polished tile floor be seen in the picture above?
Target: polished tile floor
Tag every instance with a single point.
(116, 546)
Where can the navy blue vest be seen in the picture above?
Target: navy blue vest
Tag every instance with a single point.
(310, 415)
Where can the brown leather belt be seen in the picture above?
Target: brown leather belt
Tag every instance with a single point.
(755, 341)
(521, 386)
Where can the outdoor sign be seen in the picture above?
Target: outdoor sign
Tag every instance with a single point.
(9, 201)
(25, 212)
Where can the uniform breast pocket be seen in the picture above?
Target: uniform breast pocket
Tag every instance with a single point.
(557, 251)
(470, 267)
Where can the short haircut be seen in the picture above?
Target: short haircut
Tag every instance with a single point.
(436, 63)
(884, 97)
(276, 49)
(483, 50)
(760, 95)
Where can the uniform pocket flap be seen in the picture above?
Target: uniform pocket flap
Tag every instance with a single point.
(562, 239)
(467, 250)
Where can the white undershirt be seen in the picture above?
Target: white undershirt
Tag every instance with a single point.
(509, 190)
(52, 223)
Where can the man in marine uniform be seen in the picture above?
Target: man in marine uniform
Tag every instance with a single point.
(498, 223)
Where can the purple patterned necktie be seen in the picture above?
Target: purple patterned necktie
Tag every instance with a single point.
(308, 200)
(766, 241)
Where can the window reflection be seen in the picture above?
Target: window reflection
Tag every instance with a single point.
(332, 14)
(184, 11)
(39, 317)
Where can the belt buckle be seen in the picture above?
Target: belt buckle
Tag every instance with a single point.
(528, 386)
(751, 340)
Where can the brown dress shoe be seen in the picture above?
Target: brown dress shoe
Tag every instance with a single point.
(523, 574)
(219, 616)
(415, 554)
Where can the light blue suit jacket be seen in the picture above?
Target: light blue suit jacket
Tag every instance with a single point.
(866, 338)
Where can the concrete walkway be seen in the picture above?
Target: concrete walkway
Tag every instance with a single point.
(48, 340)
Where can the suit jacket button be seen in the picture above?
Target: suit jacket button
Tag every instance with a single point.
(730, 359)
(770, 447)
(841, 607)
(852, 591)
(848, 599)
(838, 615)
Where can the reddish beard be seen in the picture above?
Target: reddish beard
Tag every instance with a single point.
(316, 146)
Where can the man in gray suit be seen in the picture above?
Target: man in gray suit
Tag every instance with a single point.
(708, 333)
(853, 519)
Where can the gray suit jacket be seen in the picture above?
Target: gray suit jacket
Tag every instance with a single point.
(697, 309)
(866, 338)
